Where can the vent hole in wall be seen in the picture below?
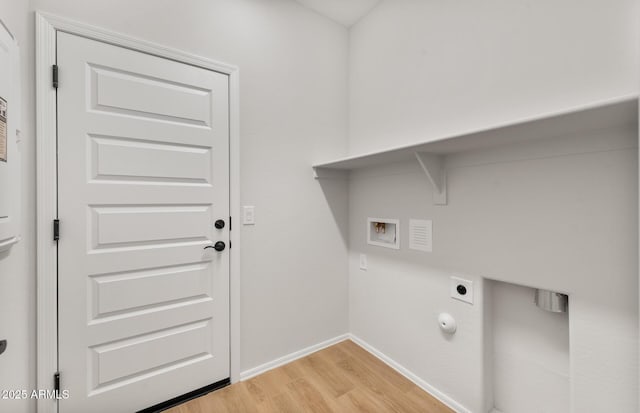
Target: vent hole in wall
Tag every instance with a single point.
(421, 235)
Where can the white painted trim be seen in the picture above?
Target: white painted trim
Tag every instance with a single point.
(46, 210)
(63, 24)
(263, 368)
(411, 376)
(234, 234)
(597, 115)
(47, 25)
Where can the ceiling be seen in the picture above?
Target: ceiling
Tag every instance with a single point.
(345, 12)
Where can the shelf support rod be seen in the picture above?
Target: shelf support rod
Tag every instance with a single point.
(433, 166)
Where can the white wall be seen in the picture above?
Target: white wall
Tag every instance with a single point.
(293, 79)
(417, 69)
(530, 353)
(559, 214)
(525, 215)
(17, 269)
(394, 305)
(420, 68)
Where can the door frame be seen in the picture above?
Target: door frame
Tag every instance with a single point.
(47, 26)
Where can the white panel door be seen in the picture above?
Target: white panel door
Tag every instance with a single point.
(143, 155)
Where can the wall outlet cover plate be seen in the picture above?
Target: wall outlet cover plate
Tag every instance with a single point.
(462, 289)
(363, 262)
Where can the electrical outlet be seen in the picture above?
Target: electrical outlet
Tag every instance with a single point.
(363, 262)
(462, 289)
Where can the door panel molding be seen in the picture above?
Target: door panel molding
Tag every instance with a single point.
(47, 27)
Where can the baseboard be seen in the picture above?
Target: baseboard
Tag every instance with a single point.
(411, 376)
(247, 374)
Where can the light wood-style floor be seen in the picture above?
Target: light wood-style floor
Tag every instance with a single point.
(343, 378)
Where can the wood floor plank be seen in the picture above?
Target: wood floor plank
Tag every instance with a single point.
(286, 403)
(329, 373)
(358, 400)
(364, 377)
(271, 382)
(214, 403)
(308, 396)
(377, 365)
(295, 369)
(255, 391)
(343, 378)
(236, 399)
(429, 403)
(335, 352)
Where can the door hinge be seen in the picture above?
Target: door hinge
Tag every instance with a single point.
(56, 229)
(229, 223)
(54, 77)
(56, 381)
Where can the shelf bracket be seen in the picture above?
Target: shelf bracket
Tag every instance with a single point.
(328, 173)
(433, 166)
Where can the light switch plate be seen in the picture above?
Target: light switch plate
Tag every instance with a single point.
(462, 289)
(363, 262)
(248, 215)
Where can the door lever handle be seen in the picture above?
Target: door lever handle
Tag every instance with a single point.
(218, 246)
